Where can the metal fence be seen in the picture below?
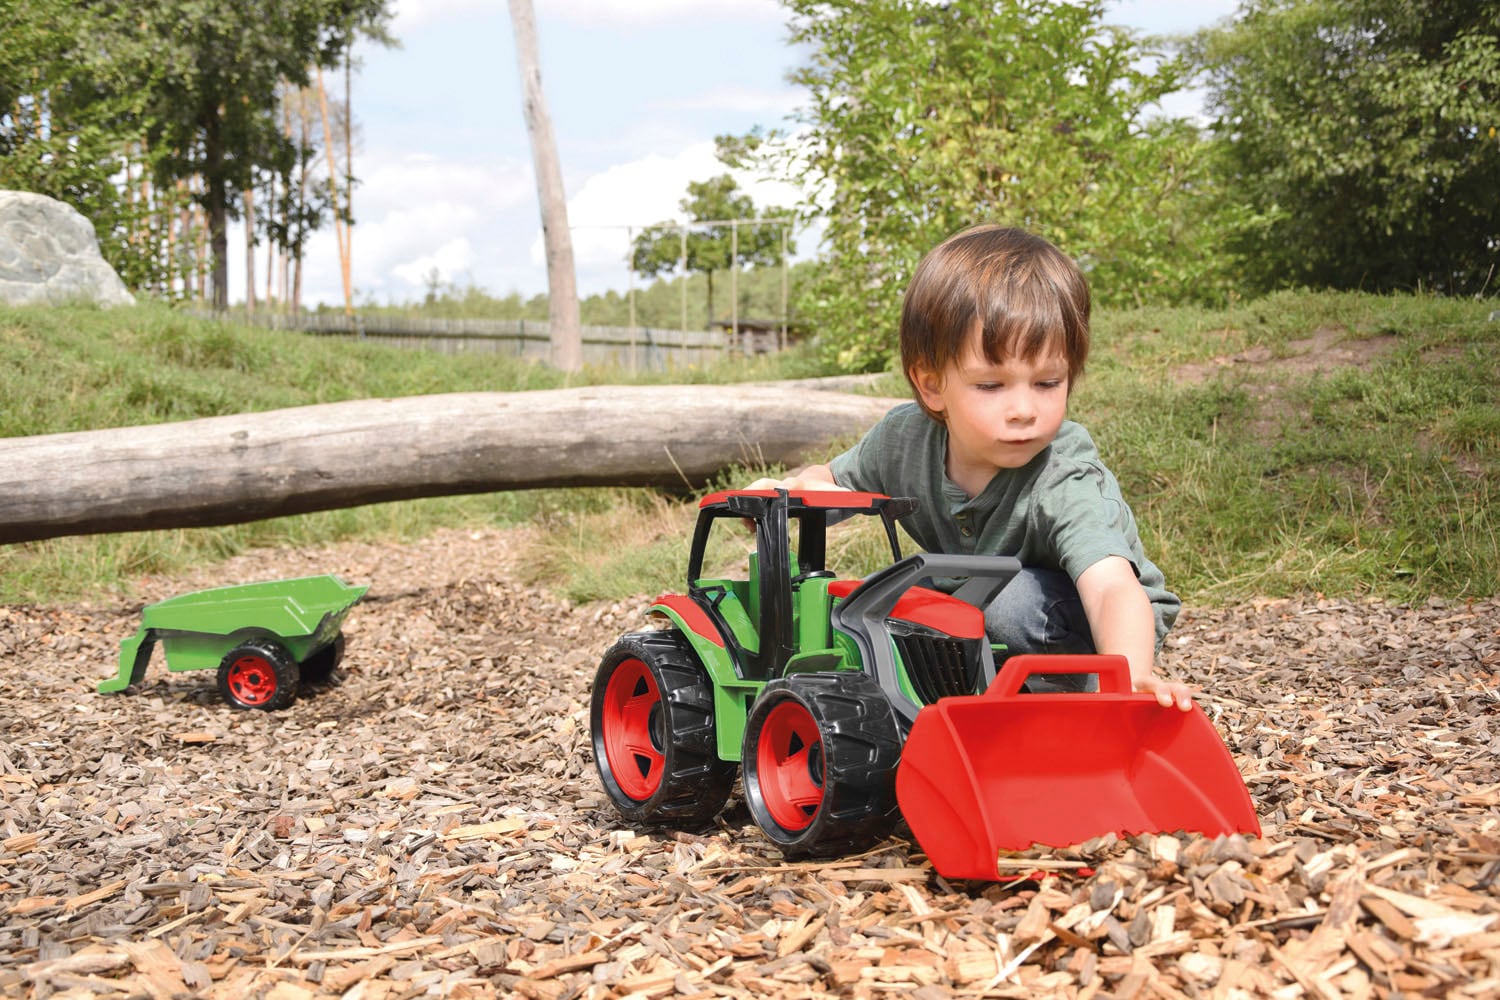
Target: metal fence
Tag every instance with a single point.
(633, 348)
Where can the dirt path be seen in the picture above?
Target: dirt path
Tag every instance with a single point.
(431, 824)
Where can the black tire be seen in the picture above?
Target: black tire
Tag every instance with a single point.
(319, 667)
(259, 674)
(819, 762)
(652, 721)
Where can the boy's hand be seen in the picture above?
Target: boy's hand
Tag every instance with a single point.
(1168, 693)
(795, 483)
(814, 477)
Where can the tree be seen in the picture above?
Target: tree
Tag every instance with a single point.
(1361, 134)
(217, 65)
(69, 129)
(717, 206)
(188, 86)
(926, 118)
(562, 280)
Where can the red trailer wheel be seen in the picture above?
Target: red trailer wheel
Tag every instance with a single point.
(258, 674)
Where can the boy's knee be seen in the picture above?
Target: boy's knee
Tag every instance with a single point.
(1040, 611)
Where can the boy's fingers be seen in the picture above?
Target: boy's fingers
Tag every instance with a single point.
(1170, 695)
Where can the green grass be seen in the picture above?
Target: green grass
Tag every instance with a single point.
(83, 368)
(1370, 471)
(1375, 477)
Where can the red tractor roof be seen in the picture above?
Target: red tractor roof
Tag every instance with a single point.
(830, 499)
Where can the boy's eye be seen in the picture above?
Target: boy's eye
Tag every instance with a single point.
(1051, 383)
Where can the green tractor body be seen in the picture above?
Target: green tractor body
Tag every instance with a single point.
(783, 622)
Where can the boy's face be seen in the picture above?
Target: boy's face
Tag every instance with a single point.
(999, 416)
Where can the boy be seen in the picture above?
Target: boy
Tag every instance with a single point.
(994, 333)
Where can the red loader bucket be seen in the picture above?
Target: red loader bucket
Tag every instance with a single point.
(1004, 770)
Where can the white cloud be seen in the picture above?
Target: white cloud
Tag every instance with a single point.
(449, 260)
(1162, 17)
(421, 180)
(413, 213)
(635, 12)
(389, 243)
(734, 98)
(638, 194)
(410, 14)
(419, 212)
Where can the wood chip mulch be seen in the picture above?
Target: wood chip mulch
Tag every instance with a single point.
(430, 823)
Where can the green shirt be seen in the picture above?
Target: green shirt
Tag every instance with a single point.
(1063, 510)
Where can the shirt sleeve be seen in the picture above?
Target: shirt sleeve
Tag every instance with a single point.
(859, 468)
(1080, 523)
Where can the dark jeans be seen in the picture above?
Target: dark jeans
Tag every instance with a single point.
(1040, 611)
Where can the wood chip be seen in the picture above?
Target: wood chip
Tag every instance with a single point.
(431, 822)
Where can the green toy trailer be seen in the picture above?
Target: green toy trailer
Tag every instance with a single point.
(263, 638)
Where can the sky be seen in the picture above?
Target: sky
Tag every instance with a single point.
(636, 89)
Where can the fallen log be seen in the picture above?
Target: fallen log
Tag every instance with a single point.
(251, 466)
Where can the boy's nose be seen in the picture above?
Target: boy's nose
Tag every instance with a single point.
(1020, 410)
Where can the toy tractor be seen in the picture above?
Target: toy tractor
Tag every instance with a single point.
(844, 704)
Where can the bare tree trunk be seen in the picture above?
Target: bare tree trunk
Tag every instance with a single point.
(340, 223)
(300, 244)
(130, 235)
(185, 263)
(250, 248)
(348, 178)
(170, 215)
(562, 281)
(148, 212)
(201, 262)
(218, 208)
(283, 265)
(270, 240)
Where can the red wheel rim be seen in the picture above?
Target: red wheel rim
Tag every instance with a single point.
(251, 680)
(789, 766)
(632, 727)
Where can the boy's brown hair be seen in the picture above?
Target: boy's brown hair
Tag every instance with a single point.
(1027, 297)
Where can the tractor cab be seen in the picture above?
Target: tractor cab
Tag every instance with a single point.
(781, 607)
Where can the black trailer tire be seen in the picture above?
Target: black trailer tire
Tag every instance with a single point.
(655, 743)
(819, 762)
(319, 667)
(259, 674)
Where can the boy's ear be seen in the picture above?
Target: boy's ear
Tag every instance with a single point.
(929, 386)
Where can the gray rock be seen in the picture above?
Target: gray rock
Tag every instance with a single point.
(49, 255)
